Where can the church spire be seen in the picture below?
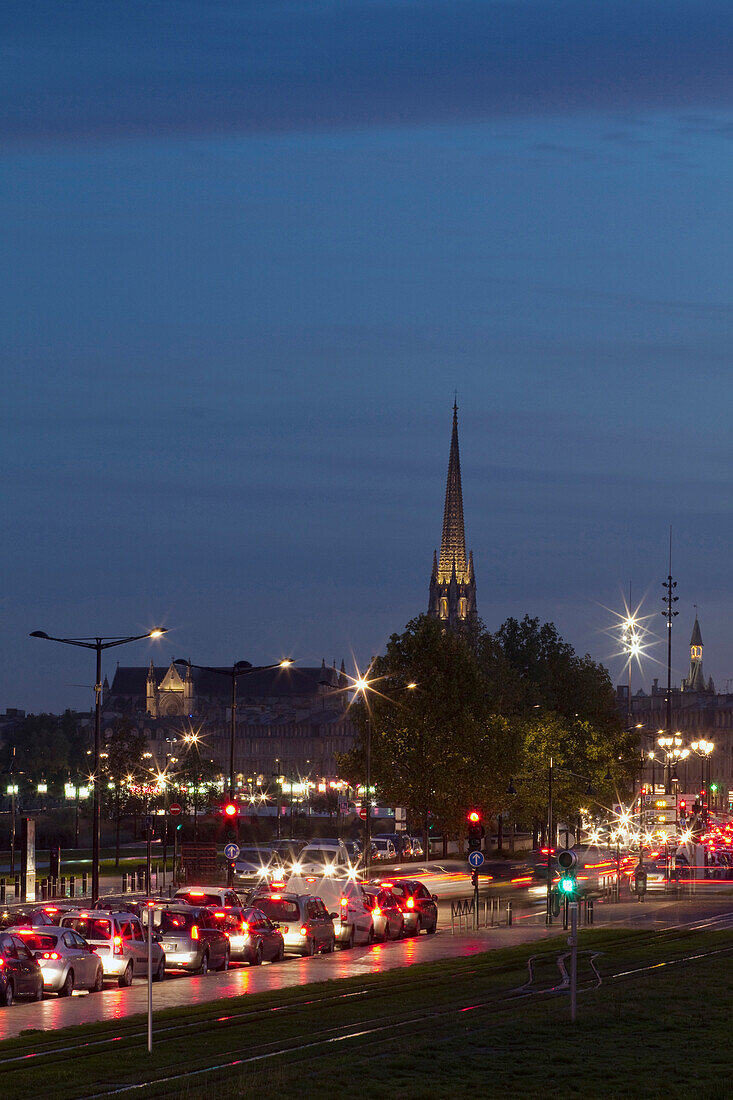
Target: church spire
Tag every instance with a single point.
(452, 583)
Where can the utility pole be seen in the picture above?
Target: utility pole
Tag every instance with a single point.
(669, 613)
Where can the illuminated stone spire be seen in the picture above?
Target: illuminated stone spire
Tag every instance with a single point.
(452, 583)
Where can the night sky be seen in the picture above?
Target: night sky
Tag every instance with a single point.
(251, 250)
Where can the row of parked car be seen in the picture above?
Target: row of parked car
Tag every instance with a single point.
(287, 857)
(57, 948)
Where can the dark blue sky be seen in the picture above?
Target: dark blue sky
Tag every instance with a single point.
(252, 248)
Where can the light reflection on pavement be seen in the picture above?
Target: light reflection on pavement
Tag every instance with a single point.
(180, 990)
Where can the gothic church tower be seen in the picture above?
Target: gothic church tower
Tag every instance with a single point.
(452, 584)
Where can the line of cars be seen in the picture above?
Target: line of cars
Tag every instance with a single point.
(58, 948)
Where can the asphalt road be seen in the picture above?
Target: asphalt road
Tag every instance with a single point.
(179, 990)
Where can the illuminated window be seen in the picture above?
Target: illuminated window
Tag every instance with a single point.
(696, 652)
(462, 607)
(443, 607)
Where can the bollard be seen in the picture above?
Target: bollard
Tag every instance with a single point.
(124, 882)
(54, 887)
(17, 887)
(84, 884)
(2, 891)
(72, 886)
(141, 880)
(44, 890)
(170, 891)
(509, 914)
(63, 886)
(589, 915)
(38, 890)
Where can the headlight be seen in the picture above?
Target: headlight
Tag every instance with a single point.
(329, 868)
(297, 868)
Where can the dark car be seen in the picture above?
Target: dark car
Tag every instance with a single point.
(189, 937)
(20, 973)
(34, 917)
(253, 938)
(419, 906)
(402, 844)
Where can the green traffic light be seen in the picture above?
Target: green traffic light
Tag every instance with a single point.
(567, 885)
(713, 787)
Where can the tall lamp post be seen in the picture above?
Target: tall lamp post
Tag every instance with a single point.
(240, 668)
(703, 749)
(98, 645)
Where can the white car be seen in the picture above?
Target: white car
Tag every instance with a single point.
(119, 941)
(324, 857)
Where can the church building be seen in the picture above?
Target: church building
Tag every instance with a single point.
(452, 583)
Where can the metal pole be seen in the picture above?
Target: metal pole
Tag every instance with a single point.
(97, 806)
(12, 829)
(573, 958)
(150, 979)
(233, 733)
(368, 818)
(548, 917)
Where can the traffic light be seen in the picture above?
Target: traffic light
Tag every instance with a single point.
(476, 831)
(230, 811)
(474, 878)
(567, 886)
(683, 809)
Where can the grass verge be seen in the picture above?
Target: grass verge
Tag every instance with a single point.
(425, 1032)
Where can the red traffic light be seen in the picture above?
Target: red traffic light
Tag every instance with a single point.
(230, 809)
(683, 804)
(474, 817)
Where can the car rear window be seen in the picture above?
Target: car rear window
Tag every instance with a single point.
(38, 942)
(90, 929)
(199, 897)
(279, 909)
(164, 921)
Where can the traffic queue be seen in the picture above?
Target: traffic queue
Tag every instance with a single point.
(309, 902)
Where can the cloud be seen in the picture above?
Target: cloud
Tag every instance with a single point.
(85, 70)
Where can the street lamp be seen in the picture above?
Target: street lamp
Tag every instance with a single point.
(703, 749)
(240, 668)
(98, 644)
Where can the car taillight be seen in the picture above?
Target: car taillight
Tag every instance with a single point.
(344, 903)
(2, 962)
(117, 945)
(410, 903)
(276, 897)
(51, 955)
(304, 931)
(219, 914)
(245, 926)
(377, 911)
(195, 932)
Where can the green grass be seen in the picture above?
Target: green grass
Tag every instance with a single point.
(662, 1033)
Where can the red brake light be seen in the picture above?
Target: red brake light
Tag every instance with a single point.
(2, 962)
(195, 932)
(377, 911)
(344, 902)
(387, 885)
(410, 903)
(245, 926)
(52, 909)
(219, 914)
(191, 894)
(304, 931)
(276, 897)
(117, 945)
(51, 955)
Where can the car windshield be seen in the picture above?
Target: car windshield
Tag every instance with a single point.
(400, 890)
(279, 909)
(323, 856)
(38, 941)
(253, 855)
(91, 928)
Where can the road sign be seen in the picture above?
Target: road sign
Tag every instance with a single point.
(231, 851)
(476, 859)
(362, 813)
(174, 809)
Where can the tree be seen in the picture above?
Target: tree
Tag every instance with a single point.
(46, 745)
(567, 708)
(437, 748)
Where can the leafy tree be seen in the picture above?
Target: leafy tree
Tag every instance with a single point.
(438, 747)
(46, 745)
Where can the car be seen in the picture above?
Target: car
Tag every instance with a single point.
(119, 941)
(20, 973)
(303, 919)
(419, 906)
(190, 938)
(256, 865)
(253, 938)
(288, 851)
(352, 921)
(401, 842)
(355, 851)
(34, 917)
(416, 847)
(323, 857)
(220, 896)
(383, 850)
(388, 920)
(66, 960)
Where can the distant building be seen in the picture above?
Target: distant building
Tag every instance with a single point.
(698, 713)
(289, 721)
(452, 582)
